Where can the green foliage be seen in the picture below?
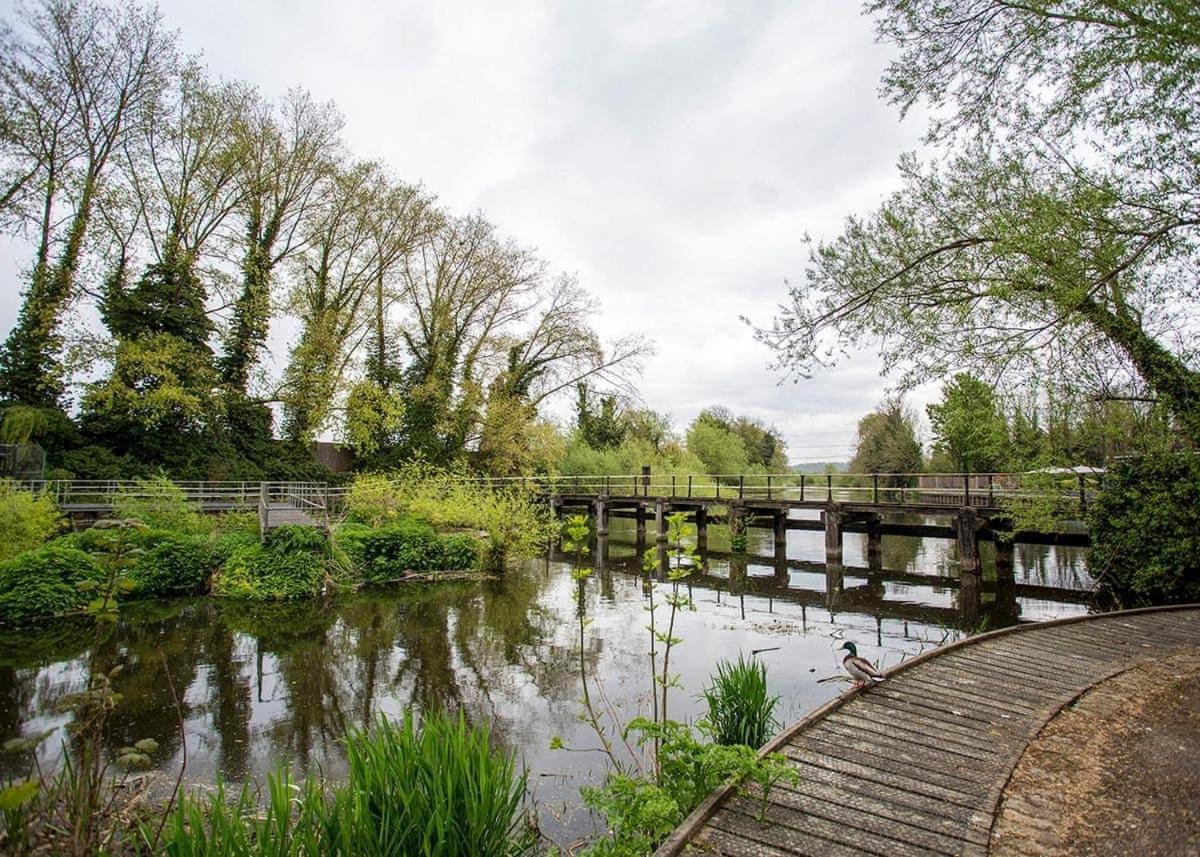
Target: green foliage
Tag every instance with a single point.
(406, 544)
(887, 442)
(599, 427)
(27, 520)
(266, 572)
(49, 581)
(171, 564)
(350, 539)
(720, 450)
(640, 813)
(968, 427)
(294, 538)
(437, 789)
(739, 709)
(161, 505)
(1145, 530)
(517, 522)
(460, 552)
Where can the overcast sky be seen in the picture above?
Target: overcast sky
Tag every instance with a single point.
(673, 154)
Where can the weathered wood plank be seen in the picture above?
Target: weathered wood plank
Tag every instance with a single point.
(903, 781)
(916, 765)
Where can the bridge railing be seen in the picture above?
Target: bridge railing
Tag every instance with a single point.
(928, 489)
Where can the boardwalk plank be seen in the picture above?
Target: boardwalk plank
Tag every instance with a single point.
(871, 816)
(869, 773)
(916, 765)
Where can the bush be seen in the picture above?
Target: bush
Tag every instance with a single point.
(408, 544)
(27, 520)
(160, 504)
(1145, 530)
(460, 552)
(263, 572)
(294, 538)
(171, 564)
(44, 582)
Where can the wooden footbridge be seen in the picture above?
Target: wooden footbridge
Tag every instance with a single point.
(276, 503)
(918, 765)
(965, 508)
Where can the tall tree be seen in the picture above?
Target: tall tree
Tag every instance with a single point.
(1064, 226)
(83, 75)
(968, 427)
(285, 154)
(887, 442)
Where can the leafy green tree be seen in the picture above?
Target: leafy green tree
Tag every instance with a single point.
(967, 425)
(887, 442)
(720, 450)
(77, 80)
(599, 427)
(284, 153)
(1056, 237)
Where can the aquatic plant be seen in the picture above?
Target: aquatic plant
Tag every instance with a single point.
(435, 787)
(739, 709)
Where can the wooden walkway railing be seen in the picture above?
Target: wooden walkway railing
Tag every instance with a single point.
(918, 764)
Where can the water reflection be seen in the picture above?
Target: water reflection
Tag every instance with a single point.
(263, 685)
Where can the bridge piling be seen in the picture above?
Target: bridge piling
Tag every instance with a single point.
(640, 517)
(702, 529)
(875, 542)
(660, 520)
(600, 505)
(781, 519)
(835, 519)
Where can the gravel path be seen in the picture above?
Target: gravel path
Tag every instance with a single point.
(1117, 773)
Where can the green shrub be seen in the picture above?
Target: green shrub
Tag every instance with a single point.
(739, 709)
(171, 564)
(293, 538)
(263, 573)
(44, 582)
(160, 504)
(407, 544)
(27, 520)
(1145, 531)
(460, 552)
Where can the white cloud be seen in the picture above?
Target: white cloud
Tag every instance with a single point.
(671, 153)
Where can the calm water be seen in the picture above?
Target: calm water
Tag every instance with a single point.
(268, 685)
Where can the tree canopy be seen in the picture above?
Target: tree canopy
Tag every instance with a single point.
(1056, 235)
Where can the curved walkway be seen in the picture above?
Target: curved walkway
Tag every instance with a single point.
(918, 764)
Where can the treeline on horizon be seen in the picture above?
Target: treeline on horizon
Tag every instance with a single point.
(189, 215)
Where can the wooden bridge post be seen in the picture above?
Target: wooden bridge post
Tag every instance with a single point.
(835, 520)
(967, 524)
(702, 529)
(781, 519)
(600, 505)
(264, 509)
(660, 520)
(875, 542)
(640, 517)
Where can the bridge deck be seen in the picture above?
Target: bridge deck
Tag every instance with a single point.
(917, 765)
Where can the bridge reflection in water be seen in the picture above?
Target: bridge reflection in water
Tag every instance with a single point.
(908, 578)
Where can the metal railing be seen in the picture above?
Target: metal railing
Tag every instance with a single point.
(900, 489)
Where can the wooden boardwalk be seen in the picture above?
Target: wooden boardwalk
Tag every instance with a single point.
(918, 764)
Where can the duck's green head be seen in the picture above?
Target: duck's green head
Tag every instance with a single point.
(851, 648)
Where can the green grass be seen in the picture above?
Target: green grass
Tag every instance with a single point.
(435, 788)
(739, 709)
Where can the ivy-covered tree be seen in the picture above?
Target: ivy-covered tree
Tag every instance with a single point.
(77, 79)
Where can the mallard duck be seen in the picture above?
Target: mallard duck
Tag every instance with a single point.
(862, 671)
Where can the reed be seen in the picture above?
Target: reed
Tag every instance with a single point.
(739, 709)
(436, 788)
